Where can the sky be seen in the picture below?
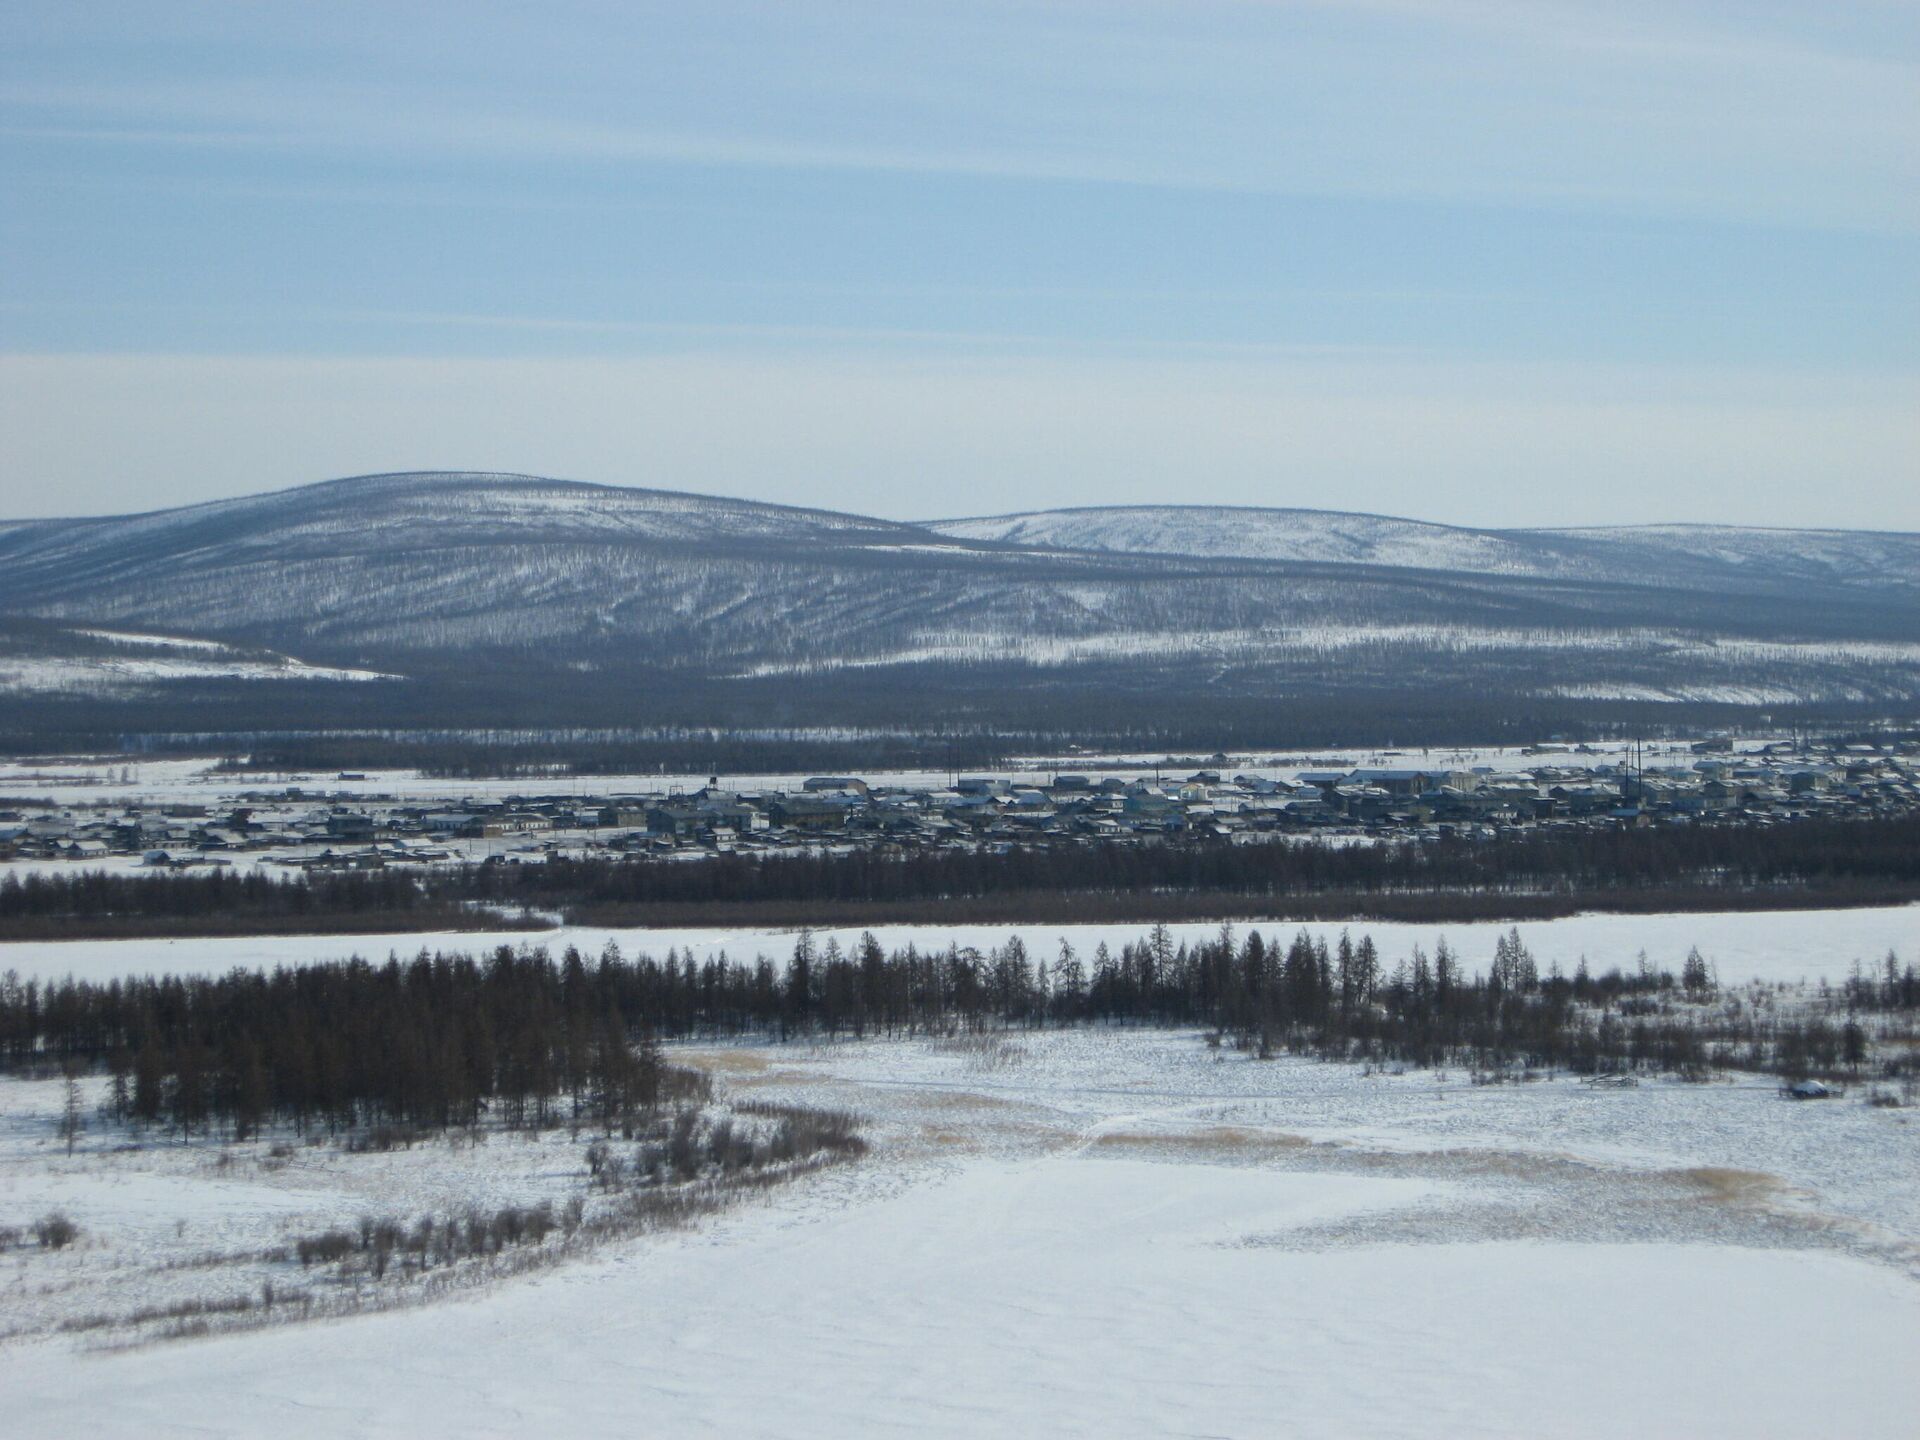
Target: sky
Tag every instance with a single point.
(1475, 261)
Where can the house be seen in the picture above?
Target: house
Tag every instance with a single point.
(350, 825)
(1366, 803)
(674, 818)
(834, 782)
(731, 814)
(803, 812)
(514, 822)
(1401, 784)
(1322, 779)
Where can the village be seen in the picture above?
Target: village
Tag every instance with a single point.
(309, 827)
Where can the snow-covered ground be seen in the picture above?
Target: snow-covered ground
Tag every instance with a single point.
(1121, 1233)
(1787, 945)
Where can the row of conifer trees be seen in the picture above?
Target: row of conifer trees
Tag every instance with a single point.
(522, 1037)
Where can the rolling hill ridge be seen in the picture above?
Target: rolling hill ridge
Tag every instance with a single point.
(489, 591)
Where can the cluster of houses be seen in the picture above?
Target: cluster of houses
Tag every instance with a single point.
(295, 828)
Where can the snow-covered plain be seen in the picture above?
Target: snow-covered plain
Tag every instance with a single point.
(1773, 946)
(1122, 1233)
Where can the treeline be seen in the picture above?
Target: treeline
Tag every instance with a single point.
(102, 904)
(1877, 858)
(435, 1042)
(707, 724)
(1533, 874)
(460, 757)
(444, 1040)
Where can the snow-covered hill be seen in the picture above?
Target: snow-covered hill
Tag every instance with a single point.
(1868, 559)
(386, 514)
(1314, 536)
(567, 588)
(1693, 555)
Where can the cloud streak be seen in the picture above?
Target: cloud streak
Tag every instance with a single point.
(901, 435)
(1606, 108)
(1550, 261)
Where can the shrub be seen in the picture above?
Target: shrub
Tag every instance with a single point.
(683, 1154)
(55, 1231)
(381, 1138)
(325, 1248)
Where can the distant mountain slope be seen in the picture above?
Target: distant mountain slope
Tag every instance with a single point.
(449, 560)
(383, 514)
(507, 592)
(1314, 536)
(1867, 559)
(1694, 555)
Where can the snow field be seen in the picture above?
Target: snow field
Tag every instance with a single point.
(1784, 946)
(1846, 1168)
(164, 1222)
(1122, 1233)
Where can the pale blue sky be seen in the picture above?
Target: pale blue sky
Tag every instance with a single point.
(1471, 260)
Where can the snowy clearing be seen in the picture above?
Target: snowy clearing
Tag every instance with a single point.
(164, 642)
(62, 674)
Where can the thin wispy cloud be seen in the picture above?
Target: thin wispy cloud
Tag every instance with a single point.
(1246, 198)
(1483, 444)
(1607, 107)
